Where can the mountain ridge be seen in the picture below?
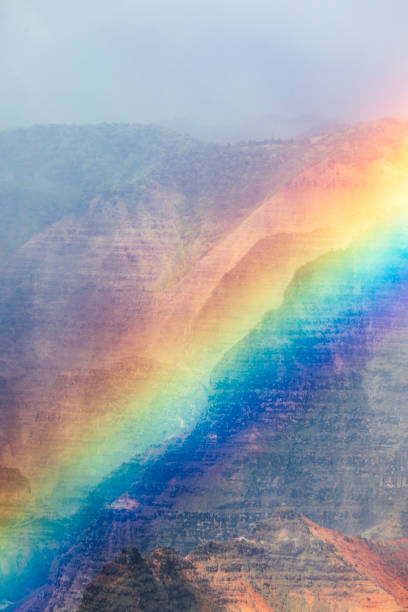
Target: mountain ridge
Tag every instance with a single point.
(286, 563)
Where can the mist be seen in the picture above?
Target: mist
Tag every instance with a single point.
(213, 62)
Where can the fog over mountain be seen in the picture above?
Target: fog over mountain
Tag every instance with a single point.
(217, 63)
(204, 306)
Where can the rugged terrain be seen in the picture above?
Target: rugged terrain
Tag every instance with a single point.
(287, 563)
(239, 274)
(306, 424)
(142, 237)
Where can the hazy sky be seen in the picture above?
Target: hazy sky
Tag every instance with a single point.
(208, 60)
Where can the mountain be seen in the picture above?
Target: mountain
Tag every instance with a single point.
(123, 212)
(286, 563)
(296, 413)
(192, 335)
(98, 225)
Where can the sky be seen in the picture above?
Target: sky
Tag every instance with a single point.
(208, 61)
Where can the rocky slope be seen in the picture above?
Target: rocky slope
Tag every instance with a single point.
(172, 252)
(159, 582)
(124, 210)
(311, 414)
(138, 265)
(286, 563)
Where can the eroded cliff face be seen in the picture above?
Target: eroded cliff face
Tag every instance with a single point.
(171, 272)
(296, 413)
(285, 563)
(169, 269)
(82, 298)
